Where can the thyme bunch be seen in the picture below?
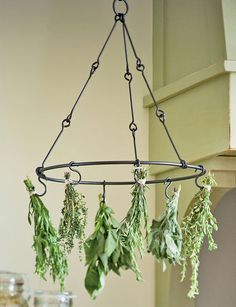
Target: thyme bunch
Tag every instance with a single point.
(74, 218)
(101, 249)
(165, 237)
(49, 256)
(198, 224)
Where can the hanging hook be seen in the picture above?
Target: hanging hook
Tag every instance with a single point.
(203, 172)
(104, 192)
(75, 171)
(167, 182)
(45, 188)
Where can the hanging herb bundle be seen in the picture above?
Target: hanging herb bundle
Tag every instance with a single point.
(198, 224)
(101, 249)
(165, 237)
(49, 256)
(74, 218)
(131, 230)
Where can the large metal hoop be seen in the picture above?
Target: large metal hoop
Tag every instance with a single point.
(198, 171)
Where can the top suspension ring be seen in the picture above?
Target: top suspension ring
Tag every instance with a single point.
(125, 8)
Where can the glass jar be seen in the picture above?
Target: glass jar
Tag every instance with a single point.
(53, 299)
(12, 290)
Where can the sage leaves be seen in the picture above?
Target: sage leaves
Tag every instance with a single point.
(165, 237)
(49, 255)
(101, 249)
(74, 218)
(198, 224)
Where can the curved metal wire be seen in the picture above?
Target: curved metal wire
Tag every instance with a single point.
(200, 186)
(199, 171)
(126, 8)
(167, 183)
(44, 185)
(75, 182)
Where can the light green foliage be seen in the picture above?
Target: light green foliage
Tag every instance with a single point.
(165, 237)
(101, 249)
(131, 231)
(74, 218)
(198, 224)
(49, 256)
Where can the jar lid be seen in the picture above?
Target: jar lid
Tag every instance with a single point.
(11, 278)
(53, 296)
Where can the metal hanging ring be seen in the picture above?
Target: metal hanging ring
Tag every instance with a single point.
(75, 171)
(167, 183)
(126, 7)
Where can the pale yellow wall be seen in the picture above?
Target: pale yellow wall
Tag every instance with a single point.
(217, 276)
(47, 48)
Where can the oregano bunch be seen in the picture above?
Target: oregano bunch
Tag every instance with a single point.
(165, 237)
(74, 217)
(197, 225)
(49, 255)
(101, 249)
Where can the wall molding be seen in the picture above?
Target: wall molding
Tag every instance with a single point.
(190, 81)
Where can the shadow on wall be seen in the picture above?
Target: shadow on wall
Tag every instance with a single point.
(217, 278)
(217, 275)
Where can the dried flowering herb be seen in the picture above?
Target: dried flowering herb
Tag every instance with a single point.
(198, 224)
(74, 218)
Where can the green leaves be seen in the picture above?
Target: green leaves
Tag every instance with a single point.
(74, 218)
(113, 246)
(101, 249)
(131, 230)
(49, 256)
(165, 237)
(198, 224)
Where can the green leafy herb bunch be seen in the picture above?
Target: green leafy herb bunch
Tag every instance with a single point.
(165, 237)
(136, 221)
(49, 255)
(101, 249)
(74, 217)
(198, 224)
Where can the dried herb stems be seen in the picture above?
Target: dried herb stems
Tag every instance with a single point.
(135, 223)
(49, 255)
(74, 217)
(197, 224)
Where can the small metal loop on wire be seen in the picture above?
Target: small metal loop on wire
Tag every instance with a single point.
(94, 67)
(184, 163)
(133, 127)
(139, 65)
(203, 172)
(66, 123)
(167, 183)
(161, 115)
(128, 76)
(75, 171)
(125, 9)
